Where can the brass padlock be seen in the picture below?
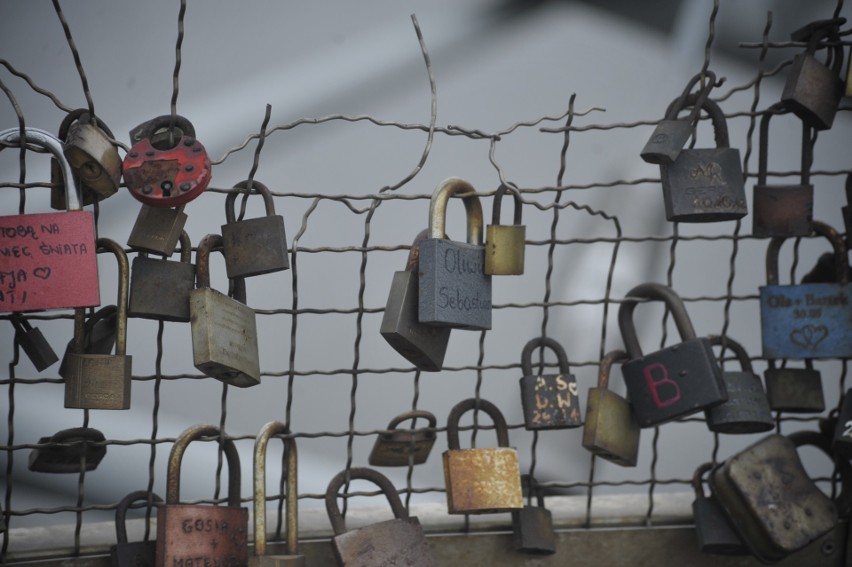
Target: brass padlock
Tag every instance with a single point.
(293, 557)
(253, 246)
(532, 526)
(224, 329)
(715, 533)
(160, 289)
(68, 451)
(33, 343)
(137, 553)
(504, 244)
(98, 335)
(794, 390)
(481, 480)
(747, 409)
(611, 431)
(194, 534)
(550, 401)
(393, 542)
(401, 447)
(157, 229)
(422, 345)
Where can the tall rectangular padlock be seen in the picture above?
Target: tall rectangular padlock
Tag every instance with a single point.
(550, 401)
(454, 289)
(136, 553)
(253, 247)
(504, 244)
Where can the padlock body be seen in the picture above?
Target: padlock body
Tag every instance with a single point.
(841, 443)
(782, 210)
(482, 480)
(224, 338)
(37, 349)
(704, 185)
(674, 382)
(812, 91)
(795, 390)
(847, 223)
(667, 141)
(51, 262)
(98, 381)
(160, 289)
(532, 531)
(422, 345)
(393, 542)
(189, 534)
(157, 230)
(747, 409)
(611, 431)
(167, 178)
(57, 190)
(134, 554)
(715, 533)
(550, 402)
(769, 498)
(806, 320)
(454, 289)
(393, 449)
(277, 561)
(255, 246)
(65, 458)
(504, 249)
(93, 158)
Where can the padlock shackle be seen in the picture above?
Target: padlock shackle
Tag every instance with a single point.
(146, 130)
(261, 442)
(202, 266)
(338, 523)
(835, 52)
(414, 414)
(697, 476)
(465, 406)
(45, 140)
(738, 349)
(717, 117)
(822, 442)
(82, 115)
(256, 186)
(438, 209)
(680, 103)
(543, 342)
(124, 506)
(123, 289)
(655, 291)
(533, 488)
(176, 456)
(20, 323)
(413, 262)
(763, 147)
(498, 202)
(822, 229)
(610, 358)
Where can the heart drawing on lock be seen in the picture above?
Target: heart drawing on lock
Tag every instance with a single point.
(42, 272)
(809, 336)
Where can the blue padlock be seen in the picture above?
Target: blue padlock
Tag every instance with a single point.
(812, 320)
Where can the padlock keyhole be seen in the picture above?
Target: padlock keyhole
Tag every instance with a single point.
(166, 187)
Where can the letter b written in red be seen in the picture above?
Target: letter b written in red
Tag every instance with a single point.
(664, 390)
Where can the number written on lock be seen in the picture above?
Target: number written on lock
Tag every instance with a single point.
(553, 400)
(847, 432)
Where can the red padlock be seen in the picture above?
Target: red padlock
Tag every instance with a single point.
(164, 172)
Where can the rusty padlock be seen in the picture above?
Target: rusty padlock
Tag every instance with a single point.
(98, 332)
(68, 451)
(157, 229)
(293, 557)
(504, 244)
(714, 531)
(103, 381)
(253, 247)
(33, 343)
(196, 534)
(481, 480)
(794, 390)
(401, 447)
(136, 553)
(550, 401)
(399, 541)
(160, 289)
(51, 262)
(166, 168)
(532, 526)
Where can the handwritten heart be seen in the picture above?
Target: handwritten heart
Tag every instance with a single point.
(42, 272)
(809, 336)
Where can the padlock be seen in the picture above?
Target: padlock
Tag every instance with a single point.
(481, 480)
(99, 332)
(772, 503)
(393, 542)
(422, 345)
(454, 289)
(293, 557)
(532, 526)
(401, 447)
(33, 343)
(841, 442)
(847, 212)
(813, 90)
(611, 431)
(715, 533)
(676, 381)
(504, 244)
(706, 184)
(195, 534)
(160, 289)
(550, 401)
(824, 270)
(782, 210)
(136, 553)
(253, 246)
(672, 133)
(51, 262)
(103, 381)
(164, 169)
(807, 320)
(794, 390)
(747, 409)
(69, 451)
(157, 230)
(224, 329)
